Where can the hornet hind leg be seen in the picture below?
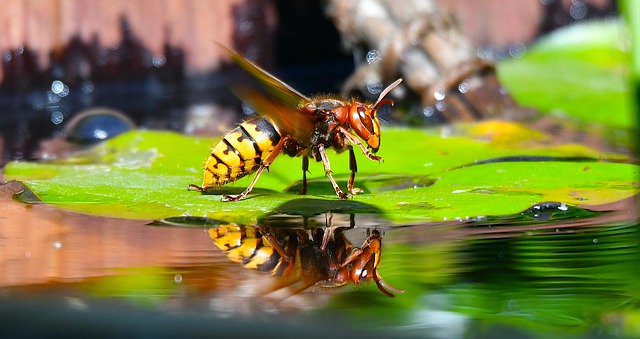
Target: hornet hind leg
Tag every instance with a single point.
(264, 165)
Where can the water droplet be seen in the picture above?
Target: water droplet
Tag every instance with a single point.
(439, 94)
(547, 211)
(464, 86)
(100, 134)
(578, 10)
(6, 57)
(96, 124)
(57, 118)
(373, 56)
(57, 86)
(158, 60)
(441, 106)
(595, 241)
(428, 111)
(517, 50)
(374, 86)
(486, 53)
(57, 245)
(177, 278)
(27, 254)
(64, 92)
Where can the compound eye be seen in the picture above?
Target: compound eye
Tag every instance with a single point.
(365, 119)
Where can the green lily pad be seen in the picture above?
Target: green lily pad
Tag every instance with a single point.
(424, 176)
(583, 71)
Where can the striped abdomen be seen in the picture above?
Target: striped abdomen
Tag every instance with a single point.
(240, 152)
(247, 246)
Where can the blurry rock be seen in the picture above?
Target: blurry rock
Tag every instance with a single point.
(421, 43)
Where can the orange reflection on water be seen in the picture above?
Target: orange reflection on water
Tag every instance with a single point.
(41, 244)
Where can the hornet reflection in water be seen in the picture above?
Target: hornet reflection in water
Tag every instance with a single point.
(319, 256)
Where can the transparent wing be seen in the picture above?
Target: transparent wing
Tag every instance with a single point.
(271, 84)
(281, 104)
(284, 117)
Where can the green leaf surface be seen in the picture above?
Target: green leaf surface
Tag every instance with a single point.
(583, 71)
(425, 176)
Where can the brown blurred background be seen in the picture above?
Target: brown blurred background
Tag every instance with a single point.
(193, 25)
(156, 60)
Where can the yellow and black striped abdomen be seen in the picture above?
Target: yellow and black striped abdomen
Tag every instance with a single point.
(245, 245)
(240, 152)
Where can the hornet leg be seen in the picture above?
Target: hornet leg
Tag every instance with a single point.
(264, 165)
(305, 169)
(356, 141)
(353, 166)
(327, 170)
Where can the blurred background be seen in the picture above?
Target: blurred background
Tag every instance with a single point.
(157, 62)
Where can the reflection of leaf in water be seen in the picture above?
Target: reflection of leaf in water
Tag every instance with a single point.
(562, 272)
(145, 286)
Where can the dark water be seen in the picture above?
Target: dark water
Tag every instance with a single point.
(550, 270)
